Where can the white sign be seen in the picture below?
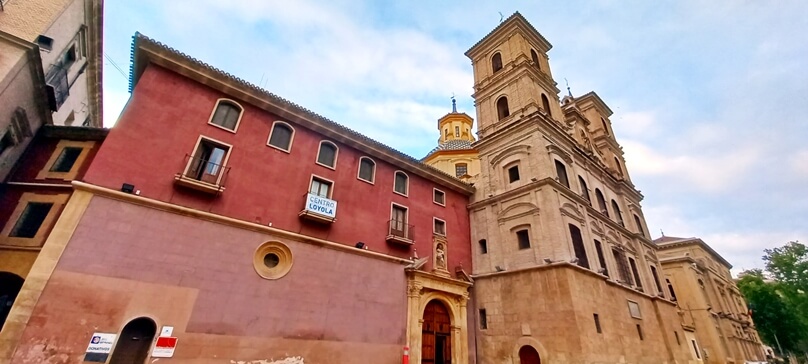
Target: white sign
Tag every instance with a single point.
(321, 205)
(167, 330)
(100, 347)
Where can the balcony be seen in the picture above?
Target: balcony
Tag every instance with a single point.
(399, 232)
(203, 175)
(318, 209)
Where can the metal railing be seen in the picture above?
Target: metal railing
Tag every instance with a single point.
(401, 229)
(203, 170)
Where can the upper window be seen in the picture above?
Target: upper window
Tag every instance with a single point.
(545, 103)
(320, 187)
(617, 165)
(226, 115)
(622, 266)
(561, 172)
(67, 158)
(584, 189)
(281, 136)
(601, 258)
(523, 238)
(601, 202)
(438, 197)
(513, 174)
(502, 108)
(207, 162)
(535, 58)
(635, 272)
(578, 246)
(670, 288)
(617, 214)
(639, 225)
(439, 227)
(496, 62)
(327, 155)
(367, 169)
(483, 246)
(457, 132)
(605, 128)
(655, 274)
(28, 224)
(401, 183)
(461, 169)
(31, 220)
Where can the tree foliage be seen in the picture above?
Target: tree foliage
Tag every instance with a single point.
(777, 297)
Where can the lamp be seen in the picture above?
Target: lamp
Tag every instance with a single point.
(128, 188)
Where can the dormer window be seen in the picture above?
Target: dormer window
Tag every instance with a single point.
(502, 108)
(496, 62)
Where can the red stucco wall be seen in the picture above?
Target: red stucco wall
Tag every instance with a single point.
(125, 261)
(166, 115)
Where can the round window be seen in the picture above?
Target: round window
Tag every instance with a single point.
(272, 260)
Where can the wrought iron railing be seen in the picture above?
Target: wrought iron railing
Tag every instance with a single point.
(400, 229)
(203, 170)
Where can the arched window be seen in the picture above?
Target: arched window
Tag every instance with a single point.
(496, 62)
(10, 285)
(367, 169)
(561, 172)
(617, 215)
(535, 58)
(545, 104)
(655, 274)
(601, 258)
(622, 266)
(281, 136)
(446, 133)
(327, 155)
(401, 183)
(502, 108)
(457, 132)
(601, 202)
(605, 128)
(134, 342)
(226, 114)
(635, 272)
(578, 246)
(639, 225)
(529, 355)
(584, 190)
(617, 164)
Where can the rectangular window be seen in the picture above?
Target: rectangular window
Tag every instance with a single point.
(438, 197)
(398, 222)
(635, 272)
(561, 172)
(639, 225)
(6, 142)
(601, 258)
(207, 162)
(66, 159)
(439, 226)
(656, 279)
(457, 132)
(639, 331)
(523, 238)
(31, 220)
(597, 323)
(676, 333)
(513, 174)
(696, 349)
(320, 187)
(461, 169)
(483, 246)
(622, 266)
(483, 319)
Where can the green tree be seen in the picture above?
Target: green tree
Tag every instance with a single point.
(772, 312)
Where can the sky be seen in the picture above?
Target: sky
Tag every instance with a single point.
(710, 98)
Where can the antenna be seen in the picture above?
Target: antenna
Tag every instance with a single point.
(569, 92)
(500, 16)
(663, 233)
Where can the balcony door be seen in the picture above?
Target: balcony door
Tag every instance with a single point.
(208, 161)
(398, 221)
(320, 188)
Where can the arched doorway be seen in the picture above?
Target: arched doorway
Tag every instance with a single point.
(528, 355)
(436, 334)
(10, 285)
(134, 342)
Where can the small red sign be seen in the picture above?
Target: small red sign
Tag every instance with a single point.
(164, 348)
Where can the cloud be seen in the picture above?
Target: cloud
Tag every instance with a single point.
(799, 163)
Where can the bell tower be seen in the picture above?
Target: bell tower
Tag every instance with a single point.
(512, 75)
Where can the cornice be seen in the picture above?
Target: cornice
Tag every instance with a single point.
(698, 242)
(509, 25)
(147, 51)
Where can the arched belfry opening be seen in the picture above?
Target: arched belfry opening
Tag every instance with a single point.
(529, 355)
(10, 285)
(134, 342)
(436, 334)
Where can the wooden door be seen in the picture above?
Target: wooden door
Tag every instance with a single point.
(528, 355)
(436, 334)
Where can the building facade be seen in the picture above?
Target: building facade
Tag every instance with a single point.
(710, 300)
(32, 199)
(257, 230)
(50, 72)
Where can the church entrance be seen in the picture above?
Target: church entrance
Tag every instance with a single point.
(528, 355)
(10, 285)
(436, 335)
(134, 342)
